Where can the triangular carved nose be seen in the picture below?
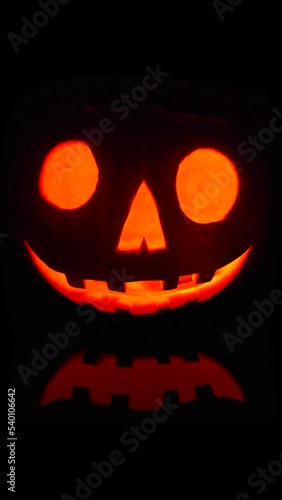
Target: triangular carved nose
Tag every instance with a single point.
(142, 223)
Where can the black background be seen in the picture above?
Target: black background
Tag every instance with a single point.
(243, 50)
(188, 330)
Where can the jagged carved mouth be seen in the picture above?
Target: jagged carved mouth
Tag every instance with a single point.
(139, 385)
(140, 297)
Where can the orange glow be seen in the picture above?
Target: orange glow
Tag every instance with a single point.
(142, 222)
(144, 382)
(207, 185)
(69, 175)
(143, 297)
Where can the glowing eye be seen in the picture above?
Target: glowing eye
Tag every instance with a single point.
(69, 175)
(207, 185)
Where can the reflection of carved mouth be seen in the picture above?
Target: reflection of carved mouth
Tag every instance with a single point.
(141, 297)
(141, 384)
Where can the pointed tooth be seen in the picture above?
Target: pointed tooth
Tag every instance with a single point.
(74, 281)
(144, 247)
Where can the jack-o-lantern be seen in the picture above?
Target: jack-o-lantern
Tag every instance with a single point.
(156, 215)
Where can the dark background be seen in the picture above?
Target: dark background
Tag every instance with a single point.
(187, 330)
(244, 50)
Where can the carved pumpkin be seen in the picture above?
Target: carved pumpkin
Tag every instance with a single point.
(154, 217)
